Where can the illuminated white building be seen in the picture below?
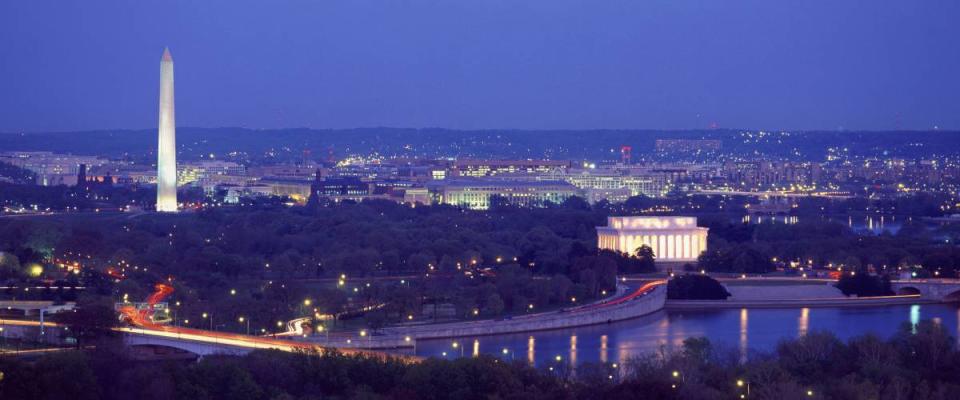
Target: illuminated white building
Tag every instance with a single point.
(167, 144)
(673, 239)
(201, 172)
(610, 180)
(476, 194)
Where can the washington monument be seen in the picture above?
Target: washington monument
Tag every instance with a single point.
(167, 147)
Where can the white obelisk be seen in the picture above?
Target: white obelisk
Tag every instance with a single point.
(167, 147)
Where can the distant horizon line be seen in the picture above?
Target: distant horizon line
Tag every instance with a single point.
(98, 130)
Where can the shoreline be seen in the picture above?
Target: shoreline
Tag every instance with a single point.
(644, 304)
(798, 303)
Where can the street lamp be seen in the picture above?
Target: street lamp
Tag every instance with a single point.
(364, 333)
(675, 374)
(242, 319)
(205, 315)
(326, 331)
(456, 345)
(742, 383)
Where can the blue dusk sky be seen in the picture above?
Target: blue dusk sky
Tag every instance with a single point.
(528, 64)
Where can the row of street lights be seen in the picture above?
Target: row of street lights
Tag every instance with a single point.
(740, 383)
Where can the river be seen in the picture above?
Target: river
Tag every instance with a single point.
(742, 329)
(862, 224)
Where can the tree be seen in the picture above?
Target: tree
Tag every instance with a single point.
(494, 304)
(92, 319)
(9, 266)
(575, 203)
(646, 257)
(864, 285)
(67, 376)
(696, 287)
(377, 319)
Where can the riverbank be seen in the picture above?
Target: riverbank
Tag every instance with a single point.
(797, 303)
(648, 299)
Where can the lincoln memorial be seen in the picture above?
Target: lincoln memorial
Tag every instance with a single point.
(673, 239)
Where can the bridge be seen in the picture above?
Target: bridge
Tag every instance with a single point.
(179, 342)
(941, 290)
(203, 343)
(159, 342)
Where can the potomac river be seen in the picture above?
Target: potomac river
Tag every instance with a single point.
(742, 330)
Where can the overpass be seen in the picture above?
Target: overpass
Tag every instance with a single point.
(30, 307)
(941, 290)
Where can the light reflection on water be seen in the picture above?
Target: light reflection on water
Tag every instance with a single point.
(868, 224)
(803, 322)
(744, 328)
(740, 329)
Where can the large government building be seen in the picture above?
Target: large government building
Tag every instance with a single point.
(673, 239)
(476, 194)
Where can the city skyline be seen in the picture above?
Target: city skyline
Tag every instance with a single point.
(688, 199)
(749, 65)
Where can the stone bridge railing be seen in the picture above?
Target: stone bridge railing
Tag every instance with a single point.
(929, 289)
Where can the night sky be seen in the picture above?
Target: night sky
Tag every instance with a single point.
(532, 64)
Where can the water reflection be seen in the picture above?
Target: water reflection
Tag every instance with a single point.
(863, 224)
(804, 322)
(914, 317)
(776, 219)
(530, 353)
(744, 345)
(573, 349)
(603, 348)
(740, 329)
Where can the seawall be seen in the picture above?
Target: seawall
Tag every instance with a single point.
(393, 337)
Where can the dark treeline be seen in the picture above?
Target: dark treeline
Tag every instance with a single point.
(920, 362)
(15, 174)
(481, 263)
(753, 248)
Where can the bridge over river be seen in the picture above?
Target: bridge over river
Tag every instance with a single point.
(197, 342)
(939, 290)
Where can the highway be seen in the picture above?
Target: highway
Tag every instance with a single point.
(143, 325)
(218, 338)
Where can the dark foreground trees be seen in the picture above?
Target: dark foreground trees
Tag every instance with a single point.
(696, 287)
(919, 362)
(864, 285)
